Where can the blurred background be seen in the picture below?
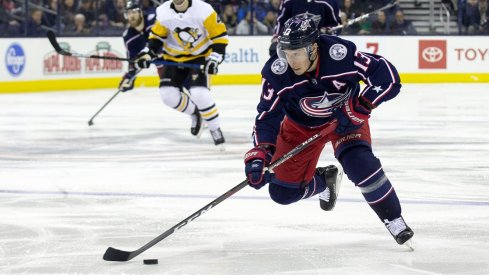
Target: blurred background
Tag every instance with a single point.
(32, 18)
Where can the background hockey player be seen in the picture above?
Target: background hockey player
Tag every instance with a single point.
(313, 82)
(135, 40)
(326, 14)
(188, 31)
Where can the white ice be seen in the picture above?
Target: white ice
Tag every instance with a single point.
(68, 191)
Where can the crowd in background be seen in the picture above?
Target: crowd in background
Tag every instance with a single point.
(106, 17)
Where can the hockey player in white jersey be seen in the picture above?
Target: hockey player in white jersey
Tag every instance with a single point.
(188, 31)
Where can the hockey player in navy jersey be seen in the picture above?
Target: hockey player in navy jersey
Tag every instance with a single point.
(311, 83)
(326, 15)
(136, 39)
(188, 31)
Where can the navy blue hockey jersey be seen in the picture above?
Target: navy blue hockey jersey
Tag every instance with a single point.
(310, 99)
(134, 40)
(327, 11)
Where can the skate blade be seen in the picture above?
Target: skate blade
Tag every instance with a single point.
(221, 147)
(409, 245)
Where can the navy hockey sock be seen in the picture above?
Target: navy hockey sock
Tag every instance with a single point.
(365, 170)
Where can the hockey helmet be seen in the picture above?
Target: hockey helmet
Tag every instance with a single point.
(133, 4)
(299, 31)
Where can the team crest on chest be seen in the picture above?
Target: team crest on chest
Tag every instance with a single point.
(323, 106)
(338, 51)
(187, 36)
(279, 66)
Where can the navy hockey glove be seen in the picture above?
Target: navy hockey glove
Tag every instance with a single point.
(212, 62)
(351, 116)
(256, 160)
(144, 58)
(127, 82)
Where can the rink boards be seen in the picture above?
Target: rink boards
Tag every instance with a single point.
(31, 64)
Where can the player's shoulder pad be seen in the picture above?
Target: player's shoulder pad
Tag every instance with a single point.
(274, 69)
(202, 7)
(150, 17)
(337, 48)
(163, 11)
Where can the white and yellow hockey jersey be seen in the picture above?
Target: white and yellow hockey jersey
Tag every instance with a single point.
(188, 35)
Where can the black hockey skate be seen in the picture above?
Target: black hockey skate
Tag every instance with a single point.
(332, 175)
(399, 230)
(197, 123)
(217, 136)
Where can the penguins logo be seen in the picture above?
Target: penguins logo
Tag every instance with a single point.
(187, 36)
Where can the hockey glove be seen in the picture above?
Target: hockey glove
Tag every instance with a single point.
(212, 62)
(351, 116)
(127, 82)
(144, 58)
(256, 160)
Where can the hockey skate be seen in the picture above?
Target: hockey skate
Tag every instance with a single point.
(218, 138)
(197, 123)
(400, 231)
(332, 175)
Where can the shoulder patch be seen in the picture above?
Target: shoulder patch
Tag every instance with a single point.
(338, 51)
(279, 66)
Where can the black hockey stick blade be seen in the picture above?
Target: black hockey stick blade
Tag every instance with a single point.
(116, 255)
(55, 44)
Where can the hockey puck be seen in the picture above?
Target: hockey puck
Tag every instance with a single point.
(150, 261)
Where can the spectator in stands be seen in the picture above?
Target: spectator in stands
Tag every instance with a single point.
(229, 18)
(217, 5)
(401, 26)
(379, 26)
(68, 11)
(485, 19)
(258, 8)
(243, 8)
(87, 9)
(366, 5)
(270, 20)
(349, 9)
(244, 27)
(11, 26)
(115, 12)
(34, 24)
(349, 12)
(274, 6)
(470, 22)
(347, 30)
(148, 7)
(49, 19)
(79, 26)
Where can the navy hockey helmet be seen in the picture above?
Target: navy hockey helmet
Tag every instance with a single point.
(133, 4)
(299, 31)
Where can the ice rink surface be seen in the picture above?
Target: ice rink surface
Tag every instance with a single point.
(69, 191)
